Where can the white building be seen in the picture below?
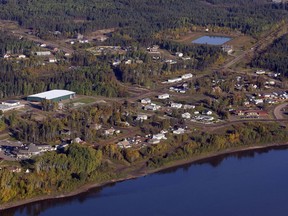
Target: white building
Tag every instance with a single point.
(207, 112)
(22, 56)
(159, 136)
(178, 79)
(163, 96)
(188, 106)
(179, 131)
(146, 101)
(43, 53)
(187, 76)
(186, 115)
(179, 54)
(260, 72)
(152, 106)
(176, 105)
(141, 117)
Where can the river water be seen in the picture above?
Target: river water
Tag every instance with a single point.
(243, 184)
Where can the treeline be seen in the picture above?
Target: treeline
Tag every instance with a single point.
(141, 18)
(13, 45)
(275, 58)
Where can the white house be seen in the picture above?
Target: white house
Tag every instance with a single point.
(146, 101)
(207, 112)
(109, 132)
(154, 141)
(163, 96)
(151, 106)
(187, 76)
(43, 53)
(52, 60)
(186, 115)
(159, 136)
(260, 72)
(176, 105)
(178, 79)
(141, 117)
(179, 54)
(22, 56)
(188, 106)
(179, 131)
(258, 101)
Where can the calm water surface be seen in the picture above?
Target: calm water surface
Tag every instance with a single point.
(244, 184)
(211, 40)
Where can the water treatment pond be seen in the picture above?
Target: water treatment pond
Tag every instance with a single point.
(211, 40)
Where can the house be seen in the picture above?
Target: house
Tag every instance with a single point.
(124, 144)
(96, 126)
(207, 112)
(179, 54)
(109, 132)
(43, 53)
(251, 113)
(28, 151)
(128, 62)
(187, 106)
(66, 132)
(186, 115)
(151, 106)
(227, 49)
(176, 105)
(258, 101)
(153, 49)
(141, 117)
(22, 56)
(260, 72)
(174, 80)
(159, 136)
(187, 76)
(163, 96)
(77, 140)
(146, 101)
(45, 148)
(154, 141)
(52, 60)
(179, 131)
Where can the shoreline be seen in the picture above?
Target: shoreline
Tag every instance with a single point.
(178, 163)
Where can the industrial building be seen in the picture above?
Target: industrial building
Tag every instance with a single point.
(53, 95)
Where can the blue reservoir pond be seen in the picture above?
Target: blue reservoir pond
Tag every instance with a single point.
(241, 184)
(211, 40)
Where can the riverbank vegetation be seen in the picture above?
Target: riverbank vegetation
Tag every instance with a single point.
(64, 171)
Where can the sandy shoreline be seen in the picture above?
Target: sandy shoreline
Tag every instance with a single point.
(177, 163)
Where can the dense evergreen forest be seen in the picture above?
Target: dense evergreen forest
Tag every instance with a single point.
(141, 17)
(275, 58)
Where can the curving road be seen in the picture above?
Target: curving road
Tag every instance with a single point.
(278, 111)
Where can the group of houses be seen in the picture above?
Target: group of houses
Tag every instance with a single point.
(22, 151)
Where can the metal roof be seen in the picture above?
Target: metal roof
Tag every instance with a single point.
(56, 93)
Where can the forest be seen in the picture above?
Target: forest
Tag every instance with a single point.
(275, 58)
(141, 18)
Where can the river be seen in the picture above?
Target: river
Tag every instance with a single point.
(241, 184)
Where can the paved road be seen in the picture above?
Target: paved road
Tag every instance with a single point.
(277, 111)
